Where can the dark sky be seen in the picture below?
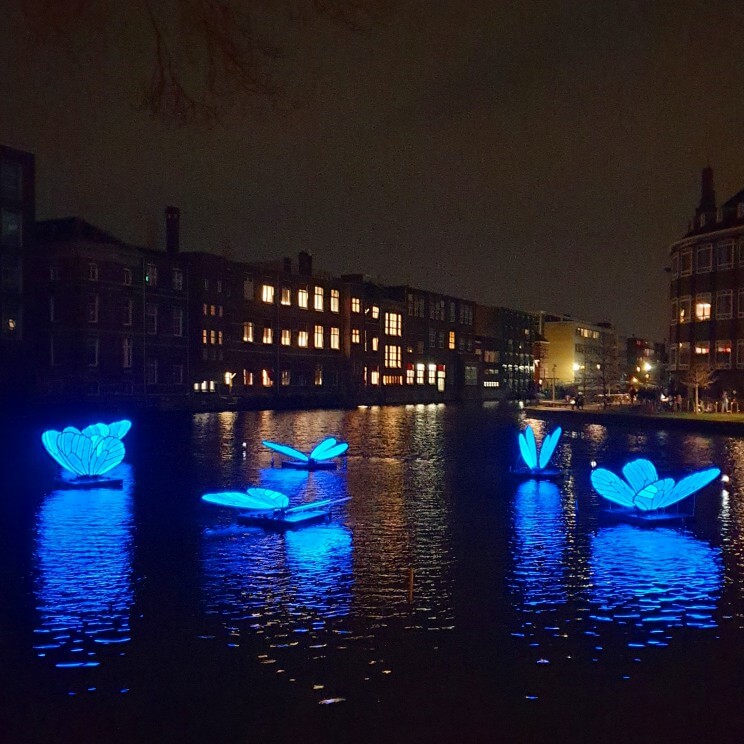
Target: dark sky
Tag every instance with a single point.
(539, 155)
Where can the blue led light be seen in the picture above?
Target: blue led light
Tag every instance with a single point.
(326, 450)
(95, 450)
(642, 488)
(528, 448)
(254, 499)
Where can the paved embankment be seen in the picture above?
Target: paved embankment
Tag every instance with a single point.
(709, 423)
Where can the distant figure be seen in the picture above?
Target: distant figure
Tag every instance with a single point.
(580, 401)
(678, 401)
(725, 403)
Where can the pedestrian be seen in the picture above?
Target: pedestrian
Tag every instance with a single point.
(678, 401)
(725, 403)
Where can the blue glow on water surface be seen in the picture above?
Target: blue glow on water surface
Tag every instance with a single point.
(83, 573)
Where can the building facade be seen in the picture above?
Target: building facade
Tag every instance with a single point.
(17, 207)
(706, 295)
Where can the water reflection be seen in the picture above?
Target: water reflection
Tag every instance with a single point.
(83, 563)
(653, 580)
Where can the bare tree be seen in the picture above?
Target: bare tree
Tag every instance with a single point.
(699, 376)
(196, 58)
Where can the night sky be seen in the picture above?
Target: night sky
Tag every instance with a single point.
(539, 155)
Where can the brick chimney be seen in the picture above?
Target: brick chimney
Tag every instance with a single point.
(172, 229)
(305, 263)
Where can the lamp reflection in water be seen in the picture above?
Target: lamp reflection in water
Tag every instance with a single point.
(83, 563)
(654, 580)
(539, 546)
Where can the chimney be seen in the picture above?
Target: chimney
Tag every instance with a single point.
(287, 266)
(172, 221)
(707, 192)
(305, 263)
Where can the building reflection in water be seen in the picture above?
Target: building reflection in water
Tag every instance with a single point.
(539, 546)
(653, 580)
(83, 566)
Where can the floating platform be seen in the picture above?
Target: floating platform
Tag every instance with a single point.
(88, 482)
(310, 465)
(649, 518)
(280, 522)
(521, 471)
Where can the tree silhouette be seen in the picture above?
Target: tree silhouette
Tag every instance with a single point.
(196, 58)
(699, 376)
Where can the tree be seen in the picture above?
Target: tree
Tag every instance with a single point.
(196, 58)
(699, 376)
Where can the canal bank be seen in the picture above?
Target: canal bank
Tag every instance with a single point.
(725, 424)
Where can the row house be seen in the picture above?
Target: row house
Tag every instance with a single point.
(107, 318)
(505, 344)
(706, 297)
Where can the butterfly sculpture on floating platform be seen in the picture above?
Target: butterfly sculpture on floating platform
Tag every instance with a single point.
(90, 453)
(642, 488)
(534, 464)
(319, 457)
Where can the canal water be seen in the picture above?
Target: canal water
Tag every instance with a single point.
(144, 614)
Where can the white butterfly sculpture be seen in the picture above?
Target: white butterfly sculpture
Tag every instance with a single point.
(644, 490)
(528, 448)
(91, 452)
(326, 450)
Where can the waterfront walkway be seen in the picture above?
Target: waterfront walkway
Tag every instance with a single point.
(728, 424)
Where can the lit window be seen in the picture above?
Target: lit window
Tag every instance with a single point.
(285, 377)
(266, 380)
(219, 338)
(375, 312)
(204, 336)
(212, 337)
(356, 305)
(374, 343)
(267, 293)
(248, 332)
(335, 338)
(318, 374)
(355, 336)
(335, 301)
(151, 277)
(420, 370)
(432, 374)
(702, 349)
(318, 298)
(684, 309)
(302, 298)
(393, 322)
(286, 337)
(318, 336)
(93, 272)
(702, 306)
(286, 296)
(212, 310)
(392, 356)
(452, 343)
(268, 335)
(247, 377)
(302, 339)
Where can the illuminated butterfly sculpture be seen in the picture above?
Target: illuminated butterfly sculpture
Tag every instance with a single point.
(535, 465)
(254, 499)
(319, 457)
(92, 452)
(642, 488)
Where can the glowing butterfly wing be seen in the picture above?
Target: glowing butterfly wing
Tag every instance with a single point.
(96, 430)
(119, 429)
(285, 450)
(639, 474)
(72, 448)
(650, 496)
(265, 498)
(317, 452)
(608, 485)
(234, 499)
(104, 454)
(690, 484)
(49, 440)
(548, 447)
(528, 448)
(335, 451)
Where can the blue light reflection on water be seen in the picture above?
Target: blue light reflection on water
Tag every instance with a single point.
(83, 574)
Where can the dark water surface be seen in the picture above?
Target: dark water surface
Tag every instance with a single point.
(143, 614)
